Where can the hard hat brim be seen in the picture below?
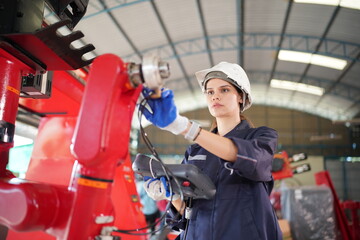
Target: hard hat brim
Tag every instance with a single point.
(231, 74)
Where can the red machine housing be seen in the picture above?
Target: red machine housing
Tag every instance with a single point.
(80, 178)
(286, 170)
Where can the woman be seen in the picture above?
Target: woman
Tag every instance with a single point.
(234, 155)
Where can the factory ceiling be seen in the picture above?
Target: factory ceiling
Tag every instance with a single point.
(260, 35)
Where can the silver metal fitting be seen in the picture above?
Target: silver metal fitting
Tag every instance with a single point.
(104, 219)
(151, 72)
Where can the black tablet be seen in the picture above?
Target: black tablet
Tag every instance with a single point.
(192, 181)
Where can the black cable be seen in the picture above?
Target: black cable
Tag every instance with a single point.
(167, 172)
(188, 205)
(154, 152)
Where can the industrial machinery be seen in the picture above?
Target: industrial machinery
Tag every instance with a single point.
(79, 184)
(282, 165)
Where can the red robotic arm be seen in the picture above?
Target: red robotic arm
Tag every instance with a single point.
(96, 142)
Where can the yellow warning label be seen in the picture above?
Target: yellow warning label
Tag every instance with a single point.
(14, 90)
(92, 183)
(134, 198)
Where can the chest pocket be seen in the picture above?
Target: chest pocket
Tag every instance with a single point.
(207, 163)
(198, 160)
(199, 157)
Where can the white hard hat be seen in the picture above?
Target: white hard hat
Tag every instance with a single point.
(231, 73)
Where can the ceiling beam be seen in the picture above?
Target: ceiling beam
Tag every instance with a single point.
(259, 41)
(338, 80)
(171, 43)
(120, 28)
(331, 113)
(120, 5)
(345, 91)
(283, 30)
(240, 30)
(317, 48)
(321, 41)
(205, 33)
(356, 103)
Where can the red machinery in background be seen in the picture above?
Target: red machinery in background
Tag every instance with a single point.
(79, 184)
(348, 228)
(282, 168)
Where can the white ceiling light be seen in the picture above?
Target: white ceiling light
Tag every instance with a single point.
(301, 87)
(294, 56)
(329, 62)
(311, 58)
(354, 4)
(322, 2)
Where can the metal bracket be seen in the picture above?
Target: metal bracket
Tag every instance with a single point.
(49, 48)
(62, 9)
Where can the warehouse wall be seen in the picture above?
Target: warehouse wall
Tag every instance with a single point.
(297, 133)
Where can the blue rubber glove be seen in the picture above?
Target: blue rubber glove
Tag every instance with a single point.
(164, 112)
(158, 189)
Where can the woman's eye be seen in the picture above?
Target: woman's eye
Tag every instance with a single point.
(209, 92)
(225, 90)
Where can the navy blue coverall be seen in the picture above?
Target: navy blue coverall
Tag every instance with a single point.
(241, 209)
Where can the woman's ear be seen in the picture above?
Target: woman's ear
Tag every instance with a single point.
(240, 98)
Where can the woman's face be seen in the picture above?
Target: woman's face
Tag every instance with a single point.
(222, 98)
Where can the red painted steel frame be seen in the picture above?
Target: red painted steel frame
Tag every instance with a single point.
(354, 208)
(323, 178)
(11, 70)
(100, 144)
